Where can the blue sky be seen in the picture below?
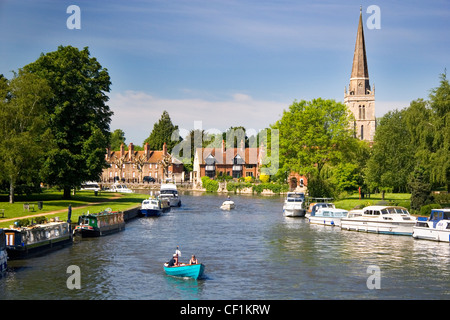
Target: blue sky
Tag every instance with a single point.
(234, 62)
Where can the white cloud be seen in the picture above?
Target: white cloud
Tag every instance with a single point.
(135, 112)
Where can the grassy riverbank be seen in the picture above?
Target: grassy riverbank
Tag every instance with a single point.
(353, 201)
(55, 206)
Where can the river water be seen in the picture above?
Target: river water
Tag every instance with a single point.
(252, 252)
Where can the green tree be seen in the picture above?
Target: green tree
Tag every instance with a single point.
(440, 158)
(117, 139)
(79, 117)
(23, 133)
(313, 134)
(392, 158)
(164, 131)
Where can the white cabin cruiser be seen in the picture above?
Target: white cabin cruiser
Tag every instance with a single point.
(313, 207)
(118, 187)
(169, 191)
(381, 219)
(294, 205)
(436, 227)
(328, 216)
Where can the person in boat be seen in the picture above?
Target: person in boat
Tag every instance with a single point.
(174, 261)
(193, 260)
(228, 198)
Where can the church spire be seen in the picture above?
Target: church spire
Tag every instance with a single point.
(359, 79)
(360, 69)
(360, 99)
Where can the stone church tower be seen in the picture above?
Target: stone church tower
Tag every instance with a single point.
(360, 98)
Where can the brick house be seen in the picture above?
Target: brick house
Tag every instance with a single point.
(132, 165)
(234, 162)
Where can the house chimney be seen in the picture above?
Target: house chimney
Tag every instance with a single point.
(165, 149)
(130, 151)
(242, 145)
(223, 145)
(146, 151)
(122, 150)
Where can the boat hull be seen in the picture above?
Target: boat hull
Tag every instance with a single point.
(395, 228)
(327, 221)
(37, 249)
(98, 232)
(227, 205)
(294, 210)
(431, 234)
(151, 212)
(194, 271)
(3, 261)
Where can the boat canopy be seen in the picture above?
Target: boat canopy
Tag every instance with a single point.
(440, 214)
(295, 197)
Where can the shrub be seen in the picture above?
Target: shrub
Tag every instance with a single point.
(264, 178)
(248, 179)
(426, 209)
(210, 185)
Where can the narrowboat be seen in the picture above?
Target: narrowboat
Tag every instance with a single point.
(381, 219)
(328, 216)
(3, 253)
(169, 191)
(38, 239)
(294, 205)
(100, 224)
(185, 270)
(436, 227)
(154, 207)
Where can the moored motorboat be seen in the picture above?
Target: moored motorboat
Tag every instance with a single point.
(100, 224)
(294, 205)
(121, 188)
(154, 207)
(169, 191)
(328, 216)
(24, 242)
(436, 227)
(227, 205)
(185, 270)
(381, 219)
(313, 207)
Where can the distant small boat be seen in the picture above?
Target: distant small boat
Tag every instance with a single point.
(122, 188)
(153, 207)
(187, 270)
(227, 205)
(100, 224)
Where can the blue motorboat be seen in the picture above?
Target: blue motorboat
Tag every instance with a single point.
(185, 270)
(436, 227)
(154, 207)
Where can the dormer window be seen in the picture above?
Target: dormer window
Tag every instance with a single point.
(210, 168)
(237, 166)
